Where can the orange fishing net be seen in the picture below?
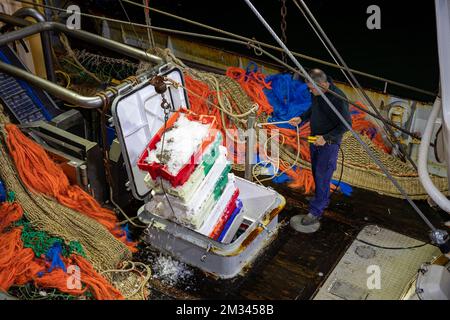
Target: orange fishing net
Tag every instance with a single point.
(19, 265)
(40, 174)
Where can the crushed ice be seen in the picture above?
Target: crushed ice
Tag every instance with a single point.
(170, 271)
(182, 140)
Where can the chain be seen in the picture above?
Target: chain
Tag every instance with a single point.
(165, 105)
(283, 28)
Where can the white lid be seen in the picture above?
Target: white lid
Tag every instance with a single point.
(137, 117)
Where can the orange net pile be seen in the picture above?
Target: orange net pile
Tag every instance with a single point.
(199, 94)
(40, 174)
(19, 265)
(368, 128)
(253, 83)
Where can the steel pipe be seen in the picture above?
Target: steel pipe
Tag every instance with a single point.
(435, 194)
(79, 34)
(89, 102)
(52, 88)
(45, 38)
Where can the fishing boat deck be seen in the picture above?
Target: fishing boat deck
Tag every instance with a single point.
(295, 265)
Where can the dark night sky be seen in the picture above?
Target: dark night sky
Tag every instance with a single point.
(405, 48)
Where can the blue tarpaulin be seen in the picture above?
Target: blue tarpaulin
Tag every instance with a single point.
(283, 177)
(54, 255)
(345, 188)
(288, 97)
(2, 192)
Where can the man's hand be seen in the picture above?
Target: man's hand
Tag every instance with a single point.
(295, 121)
(320, 141)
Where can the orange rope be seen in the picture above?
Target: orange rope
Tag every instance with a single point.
(253, 84)
(101, 288)
(97, 284)
(40, 174)
(57, 279)
(15, 261)
(9, 213)
(198, 94)
(364, 126)
(18, 265)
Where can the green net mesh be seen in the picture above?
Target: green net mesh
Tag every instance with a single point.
(105, 68)
(40, 242)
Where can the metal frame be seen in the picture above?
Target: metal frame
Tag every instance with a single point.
(89, 102)
(17, 20)
(45, 38)
(439, 107)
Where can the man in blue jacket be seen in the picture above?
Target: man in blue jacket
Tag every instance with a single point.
(328, 129)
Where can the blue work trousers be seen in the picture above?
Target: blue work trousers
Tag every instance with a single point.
(323, 164)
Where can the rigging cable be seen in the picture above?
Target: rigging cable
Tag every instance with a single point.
(132, 26)
(278, 48)
(151, 38)
(247, 40)
(328, 50)
(385, 121)
(283, 28)
(391, 134)
(439, 237)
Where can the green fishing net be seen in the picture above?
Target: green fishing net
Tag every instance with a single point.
(40, 242)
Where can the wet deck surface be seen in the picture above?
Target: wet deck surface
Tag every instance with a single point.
(295, 265)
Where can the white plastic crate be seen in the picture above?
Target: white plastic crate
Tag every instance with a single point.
(219, 208)
(186, 191)
(193, 212)
(235, 224)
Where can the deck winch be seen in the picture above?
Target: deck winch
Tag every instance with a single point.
(196, 210)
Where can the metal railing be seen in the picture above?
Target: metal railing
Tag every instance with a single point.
(89, 102)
